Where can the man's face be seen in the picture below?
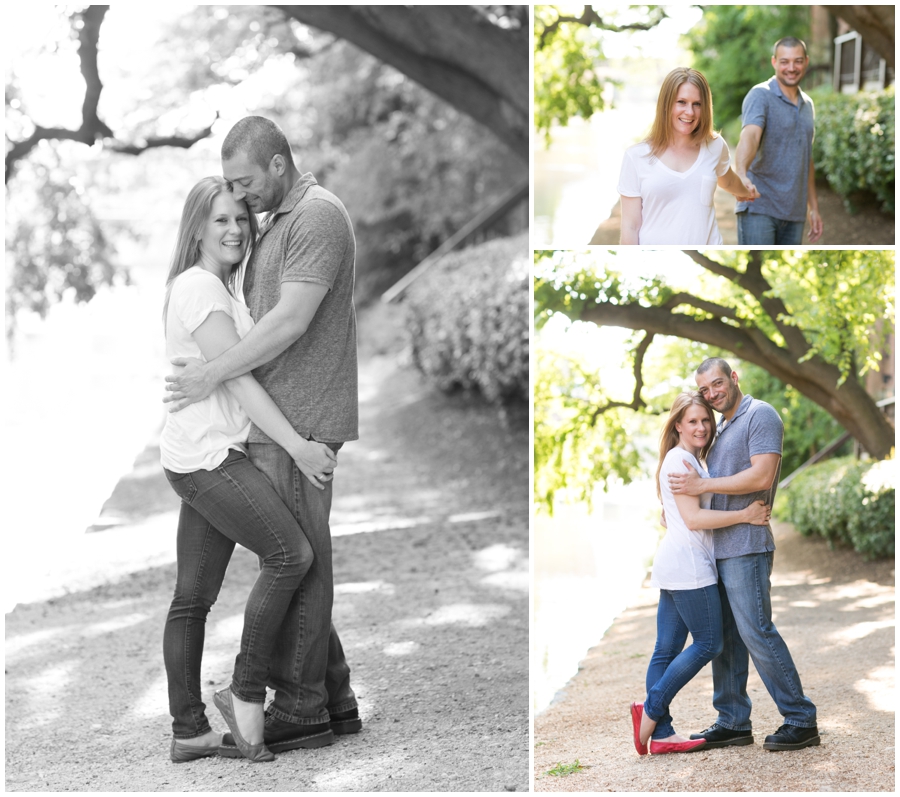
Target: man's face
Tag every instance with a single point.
(258, 187)
(790, 65)
(719, 390)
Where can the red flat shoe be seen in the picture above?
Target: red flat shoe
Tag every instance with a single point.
(658, 748)
(637, 711)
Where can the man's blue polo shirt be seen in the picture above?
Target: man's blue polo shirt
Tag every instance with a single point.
(780, 170)
(756, 428)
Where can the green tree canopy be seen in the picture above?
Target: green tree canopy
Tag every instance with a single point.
(732, 47)
(816, 321)
(568, 53)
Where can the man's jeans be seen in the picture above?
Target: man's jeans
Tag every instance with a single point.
(747, 627)
(309, 671)
(671, 667)
(755, 228)
(233, 503)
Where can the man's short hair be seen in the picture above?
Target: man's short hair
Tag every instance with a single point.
(789, 41)
(715, 362)
(260, 138)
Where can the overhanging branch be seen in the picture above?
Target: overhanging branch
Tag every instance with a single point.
(590, 17)
(92, 128)
(636, 402)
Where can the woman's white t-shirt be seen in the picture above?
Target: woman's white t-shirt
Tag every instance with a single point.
(685, 559)
(676, 207)
(200, 436)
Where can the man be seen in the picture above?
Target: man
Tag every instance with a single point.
(744, 465)
(299, 288)
(775, 154)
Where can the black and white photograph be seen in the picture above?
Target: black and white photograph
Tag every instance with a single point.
(267, 348)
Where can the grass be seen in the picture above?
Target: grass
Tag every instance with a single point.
(561, 770)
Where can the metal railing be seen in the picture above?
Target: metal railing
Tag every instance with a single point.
(483, 220)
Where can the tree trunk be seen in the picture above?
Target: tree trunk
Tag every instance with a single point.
(480, 68)
(874, 23)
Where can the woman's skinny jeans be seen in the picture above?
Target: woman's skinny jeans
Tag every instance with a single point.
(233, 503)
(671, 667)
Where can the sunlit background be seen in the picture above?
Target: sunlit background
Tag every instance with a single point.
(590, 562)
(575, 176)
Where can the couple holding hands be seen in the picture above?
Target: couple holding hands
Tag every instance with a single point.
(668, 181)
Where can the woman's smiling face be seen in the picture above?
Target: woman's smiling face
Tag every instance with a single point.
(687, 109)
(694, 428)
(226, 234)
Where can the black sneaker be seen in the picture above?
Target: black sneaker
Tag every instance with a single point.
(792, 737)
(345, 721)
(717, 736)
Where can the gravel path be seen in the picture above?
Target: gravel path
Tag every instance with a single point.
(835, 611)
(431, 575)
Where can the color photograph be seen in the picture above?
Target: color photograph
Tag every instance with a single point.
(714, 482)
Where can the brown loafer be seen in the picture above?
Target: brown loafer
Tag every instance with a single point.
(181, 752)
(252, 752)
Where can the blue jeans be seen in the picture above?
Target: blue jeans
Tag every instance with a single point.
(233, 503)
(756, 228)
(748, 632)
(671, 667)
(309, 671)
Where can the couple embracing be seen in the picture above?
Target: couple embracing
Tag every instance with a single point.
(716, 584)
(668, 181)
(265, 398)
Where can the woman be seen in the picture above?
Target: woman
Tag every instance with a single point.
(668, 181)
(684, 570)
(225, 499)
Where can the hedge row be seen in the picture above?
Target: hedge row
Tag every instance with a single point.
(846, 501)
(854, 143)
(468, 320)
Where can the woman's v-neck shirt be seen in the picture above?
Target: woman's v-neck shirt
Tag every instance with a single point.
(676, 207)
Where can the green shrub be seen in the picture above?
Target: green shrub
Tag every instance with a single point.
(468, 320)
(854, 143)
(846, 502)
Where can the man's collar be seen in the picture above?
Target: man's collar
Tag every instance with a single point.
(304, 182)
(780, 92)
(742, 408)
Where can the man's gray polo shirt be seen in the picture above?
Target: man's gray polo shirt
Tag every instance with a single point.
(309, 238)
(755, 429)
(780, 170)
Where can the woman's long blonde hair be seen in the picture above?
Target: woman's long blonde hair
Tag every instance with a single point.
(669, 436)
(197, 208)
(661, 133)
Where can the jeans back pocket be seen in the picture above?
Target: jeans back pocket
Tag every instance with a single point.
(182, 484)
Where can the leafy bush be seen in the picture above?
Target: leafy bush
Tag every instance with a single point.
(847, 502)
(854, 144)
(468, 320)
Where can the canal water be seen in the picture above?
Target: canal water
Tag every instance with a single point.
(588, 567)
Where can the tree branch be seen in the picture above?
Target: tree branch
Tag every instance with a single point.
(701, 304)
(92, 127)
(590, 17)
(456, 52)
(183, 142)
(636, 402)
(753, 281)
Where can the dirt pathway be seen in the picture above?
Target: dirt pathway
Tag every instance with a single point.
(836, 613)
(431, 575)
(868, 226)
